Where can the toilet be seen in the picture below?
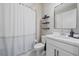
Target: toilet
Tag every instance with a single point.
(39, 47)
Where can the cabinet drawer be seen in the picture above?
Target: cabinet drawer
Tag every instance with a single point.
(68, 48)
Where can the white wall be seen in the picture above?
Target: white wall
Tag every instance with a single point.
(48, 8)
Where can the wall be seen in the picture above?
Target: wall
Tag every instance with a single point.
(48, 8)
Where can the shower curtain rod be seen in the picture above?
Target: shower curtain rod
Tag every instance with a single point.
(26, 6)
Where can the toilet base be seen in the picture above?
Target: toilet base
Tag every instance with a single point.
(39, 53)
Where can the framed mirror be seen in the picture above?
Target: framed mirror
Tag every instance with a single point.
(65, 16)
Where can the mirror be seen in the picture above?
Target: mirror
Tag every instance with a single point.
(65, 15)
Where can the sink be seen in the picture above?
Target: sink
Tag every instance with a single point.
(63, 35)
(76, 36)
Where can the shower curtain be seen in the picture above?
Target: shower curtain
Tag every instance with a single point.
(18, 28)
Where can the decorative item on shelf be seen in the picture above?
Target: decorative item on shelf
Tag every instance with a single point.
(46, 28)
(45, 23)
(45, 17)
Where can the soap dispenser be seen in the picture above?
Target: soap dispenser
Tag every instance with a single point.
(71, 33)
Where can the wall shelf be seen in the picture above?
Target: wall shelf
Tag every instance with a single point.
(45, 17)
(46, 28)
(45, 23)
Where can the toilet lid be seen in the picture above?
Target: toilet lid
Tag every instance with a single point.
(39, 45)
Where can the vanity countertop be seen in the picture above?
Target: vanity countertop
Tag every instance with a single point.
(64, 39)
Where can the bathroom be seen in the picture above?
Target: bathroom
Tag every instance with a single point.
(39, 29)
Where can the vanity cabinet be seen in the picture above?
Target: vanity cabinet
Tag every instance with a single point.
(61, 52)
(55, 51)
(51, 51)
(59, 48)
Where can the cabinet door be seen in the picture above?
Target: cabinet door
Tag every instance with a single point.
(51, 50)
(55, 51)
(61, 52)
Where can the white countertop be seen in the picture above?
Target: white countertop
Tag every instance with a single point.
(64, 39)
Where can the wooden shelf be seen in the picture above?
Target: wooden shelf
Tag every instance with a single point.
(45, 17)
(45, 23)
(46, 28)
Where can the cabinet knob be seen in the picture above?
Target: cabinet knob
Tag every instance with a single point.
(57, 53)
(54, 52)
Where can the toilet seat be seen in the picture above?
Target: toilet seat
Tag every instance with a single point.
(39, 45)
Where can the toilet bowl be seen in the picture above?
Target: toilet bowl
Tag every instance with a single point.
(39, 47)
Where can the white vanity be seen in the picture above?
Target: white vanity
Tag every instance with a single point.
(59, 45)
